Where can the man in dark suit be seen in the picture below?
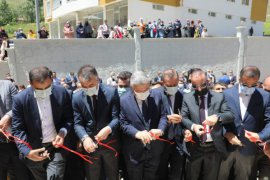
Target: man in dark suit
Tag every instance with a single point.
(10, 164)
(251, 108)
(96, 116)
(172, 163)
(204, 113)
(42, 116)
(142, 118)
(232, 77)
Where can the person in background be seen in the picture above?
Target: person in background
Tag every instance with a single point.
(204, 33)
(3, 51)
(71, 80)
(21, 87)
(31, 34)
(68, 31)
(266, 84)
(177, 28)
(123, 82)
(43, 33)
(80, 30)
(56, 80)
(88, 30)
(232, 77)
(225, 79)
(20, 34)
(111, 81)
(220, 87)
(105, 29)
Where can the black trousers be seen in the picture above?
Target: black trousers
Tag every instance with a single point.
(172, 163)
(263, 166)
(238, 166)
(203, 164)
(145, 169)
(53, 169)
(11, 165)
(105, 166)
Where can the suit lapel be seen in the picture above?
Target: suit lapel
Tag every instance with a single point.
(134, 104)
(34, 110)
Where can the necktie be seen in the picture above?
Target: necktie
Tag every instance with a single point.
(202, 116)
(145, 114)
(171, 126)
(94, 99)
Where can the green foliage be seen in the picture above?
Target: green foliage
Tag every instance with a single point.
(11, 28)
(6, 13)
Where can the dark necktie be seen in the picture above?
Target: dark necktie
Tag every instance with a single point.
(202, 116)
(145, 114)
(94, 99)
(171, 133)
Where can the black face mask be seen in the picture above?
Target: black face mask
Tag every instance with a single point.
(202, 92)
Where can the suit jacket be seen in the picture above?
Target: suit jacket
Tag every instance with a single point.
(107, 112)
(256, 119)
(132, 120)
(174, 131)
(216, 105)
(7, 92)
(26, 123)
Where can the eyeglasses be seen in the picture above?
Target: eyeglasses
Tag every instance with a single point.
(250, 86)
(202, 86)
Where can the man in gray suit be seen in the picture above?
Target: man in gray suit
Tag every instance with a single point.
(204, 113)
(9, 156)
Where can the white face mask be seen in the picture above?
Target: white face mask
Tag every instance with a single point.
(171, 90)
(246, 90)
(43, 93)
(142, 96)
(91, 91)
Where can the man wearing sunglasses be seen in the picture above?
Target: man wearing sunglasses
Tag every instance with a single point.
(251, 109)
(204, 113)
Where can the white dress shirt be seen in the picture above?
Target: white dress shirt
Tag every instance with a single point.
(244, 101)
(47, 124)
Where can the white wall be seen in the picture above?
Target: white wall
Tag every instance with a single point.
(73, 6)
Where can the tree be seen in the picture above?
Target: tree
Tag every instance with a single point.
(28, 10)
(6, 14)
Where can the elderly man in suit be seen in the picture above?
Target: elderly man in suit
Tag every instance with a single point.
(142, 118)
(172, 164)
(42, 117)
(96, 116)
(10, 163)
(251, 109)
(204, 113)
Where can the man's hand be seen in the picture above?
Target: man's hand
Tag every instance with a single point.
(38, 154)
(198, 129)
(59, 140)
(174, 118)
(89, 145)
(155, 133)
(211, 120)
(252, 136)
(144, 136)
(5, 122)
(233, 139)
(103, 134)
(187, 135)
(266, 149)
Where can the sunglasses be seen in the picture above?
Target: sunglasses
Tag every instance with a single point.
(202, 86)
(218, 89)
(250, 86)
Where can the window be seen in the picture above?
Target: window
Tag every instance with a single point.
(158, 7)
(212, 14)
(228, 16)
(56, 4)
(231, 0)
(245, 2)
(243, 19)
(192, 11)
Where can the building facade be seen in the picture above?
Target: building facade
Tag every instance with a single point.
(219, 16)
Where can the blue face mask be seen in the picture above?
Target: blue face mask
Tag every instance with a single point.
(122, 91)
(246, 90)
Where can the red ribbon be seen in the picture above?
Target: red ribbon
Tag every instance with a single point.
(16, 139)
(161, 139)
(84, 157)
(108, 146)
(190, 139)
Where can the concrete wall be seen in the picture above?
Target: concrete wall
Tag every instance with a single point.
(3, 69)
(63, 56)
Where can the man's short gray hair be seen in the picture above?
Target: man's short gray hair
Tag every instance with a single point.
(139, 78)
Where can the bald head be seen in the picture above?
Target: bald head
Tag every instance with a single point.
(266, 84)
